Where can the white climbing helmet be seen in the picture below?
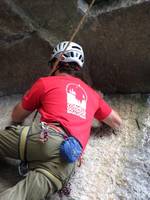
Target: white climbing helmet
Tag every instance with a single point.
(73, 52)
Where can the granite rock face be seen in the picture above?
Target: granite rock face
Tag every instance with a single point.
(23, 53)
(116, 42)
(118, 49)
(114, 166)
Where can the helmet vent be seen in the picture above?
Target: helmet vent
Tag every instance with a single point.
(59, 46)
(76, 47)
(72, 55)
(66, 55)
(64, 45)
(80, 57)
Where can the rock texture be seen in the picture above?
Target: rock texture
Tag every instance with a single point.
(118, 49)
(115, 38)
(114, 166)
(23, 54)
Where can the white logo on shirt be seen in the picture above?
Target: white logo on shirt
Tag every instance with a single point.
(76, 100)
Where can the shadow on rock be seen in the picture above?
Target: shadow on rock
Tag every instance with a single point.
(102, 130)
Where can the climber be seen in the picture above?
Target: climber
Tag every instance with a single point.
(52, 147)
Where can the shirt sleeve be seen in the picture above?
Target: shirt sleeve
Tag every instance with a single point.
(32, 98)
(103, 111)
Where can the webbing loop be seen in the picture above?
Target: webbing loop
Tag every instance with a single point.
(51, 177)
(22, 142)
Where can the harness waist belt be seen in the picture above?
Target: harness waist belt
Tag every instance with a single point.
(24, 133)
(57, 128)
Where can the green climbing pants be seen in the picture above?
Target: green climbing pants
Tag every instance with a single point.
(47, 171)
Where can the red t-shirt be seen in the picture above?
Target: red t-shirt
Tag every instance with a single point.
(67, 100)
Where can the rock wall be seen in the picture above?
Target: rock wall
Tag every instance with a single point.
(116, 43)
(118, 49)
(114, 166)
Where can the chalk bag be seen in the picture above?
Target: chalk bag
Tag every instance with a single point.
(70, 149)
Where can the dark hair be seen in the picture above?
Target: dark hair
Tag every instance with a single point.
(71, 68)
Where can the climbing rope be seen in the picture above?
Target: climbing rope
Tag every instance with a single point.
(74, 34)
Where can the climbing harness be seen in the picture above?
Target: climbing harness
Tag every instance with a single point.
(70, 148)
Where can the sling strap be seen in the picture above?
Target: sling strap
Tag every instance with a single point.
(23, 142)
(51, 177)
